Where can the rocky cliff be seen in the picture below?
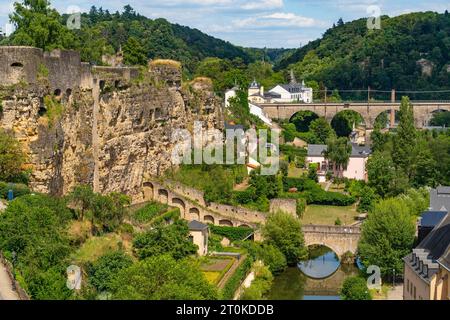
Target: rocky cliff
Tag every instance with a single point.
(111, 136)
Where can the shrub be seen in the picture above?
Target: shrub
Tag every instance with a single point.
(103, 271)
(355, 288)
(236, 279)
(260, 285)
(18, 190)
(232, 233)
(149, 211)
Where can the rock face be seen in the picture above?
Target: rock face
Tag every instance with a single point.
(110, 136)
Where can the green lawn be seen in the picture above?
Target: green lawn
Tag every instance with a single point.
(327, 215)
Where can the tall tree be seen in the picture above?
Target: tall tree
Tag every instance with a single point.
(338, 153)
(40, 26)
(321, 130)
(134, 53)
(406, 138)
(284, 231)
(387, 236)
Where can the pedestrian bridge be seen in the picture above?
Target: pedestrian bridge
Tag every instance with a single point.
(340, 239)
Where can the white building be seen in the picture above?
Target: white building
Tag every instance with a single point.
(356, 168)
(292, 92)
(229, 94)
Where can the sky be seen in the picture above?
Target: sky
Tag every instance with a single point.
(251, 23)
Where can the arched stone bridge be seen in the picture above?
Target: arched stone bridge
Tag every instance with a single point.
(340, 239)
(423, 111)
(193, 206)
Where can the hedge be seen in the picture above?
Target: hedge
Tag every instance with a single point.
(314, 194)
(173, 214)
(232, 233)
(18, 189)
(236, 279)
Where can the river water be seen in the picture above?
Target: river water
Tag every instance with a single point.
(319, 278)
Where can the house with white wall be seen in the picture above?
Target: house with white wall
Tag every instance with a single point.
(355, 169)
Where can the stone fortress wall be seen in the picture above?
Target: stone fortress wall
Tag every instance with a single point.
(107, 127)
(65, 69)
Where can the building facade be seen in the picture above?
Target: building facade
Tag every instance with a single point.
(427, 268)
(355, 169)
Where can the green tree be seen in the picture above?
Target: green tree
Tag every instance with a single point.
(173, 240)
(384, 177)
(405, 140)
(12, 158)
(321, 130)
(387, 236)
(134, 53)
(441, 119)
(162, 278)
(355, 288)
(338, 153)
(272, 258)
(40, 26)
(284, 231)
(303, 120)
(105, 269)
(34, 228)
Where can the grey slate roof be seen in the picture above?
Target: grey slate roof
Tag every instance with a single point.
(197, 226)
(318, 150)
(438, 241)
(432, 218)
(440, 199)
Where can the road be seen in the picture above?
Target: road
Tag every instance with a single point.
(6, 292)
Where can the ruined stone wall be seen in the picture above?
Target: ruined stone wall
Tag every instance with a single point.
(109, 137)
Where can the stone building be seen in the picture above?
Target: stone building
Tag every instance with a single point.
(199, 233)
(427, 268)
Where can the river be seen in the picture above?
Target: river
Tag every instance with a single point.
(319, 278)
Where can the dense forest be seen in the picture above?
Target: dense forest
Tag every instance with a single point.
(103, 32)
(352, 57)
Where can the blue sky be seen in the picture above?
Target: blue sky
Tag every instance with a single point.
(257, 23)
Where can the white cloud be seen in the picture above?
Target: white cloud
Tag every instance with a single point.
(279, 19)
(263, 5)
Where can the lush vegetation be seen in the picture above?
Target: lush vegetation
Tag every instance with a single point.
(162, 278)
(149, 212)
(235, 280)
(387, 58)
(170, 239)
(12, 159)
(260, 285)
(284, 231)
(355, 288)
(231, 233)
(33, 235)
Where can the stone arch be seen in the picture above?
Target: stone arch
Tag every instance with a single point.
(17, 65)
(314, 116)
(225, 222)
(57, 92)
(148, 191)
(340, 130)
(434, 112)
(177, 202)
(388, 114)
(244, 226)
(163, 196)
(209, 219)
(328, 245)
(194, 214)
